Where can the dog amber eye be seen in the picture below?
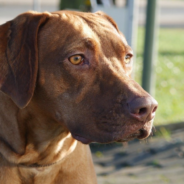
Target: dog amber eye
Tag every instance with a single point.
(127, 59)
(76, 59)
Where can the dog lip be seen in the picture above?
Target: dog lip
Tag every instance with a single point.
(81, 139)
(140, 134)
(143, 134)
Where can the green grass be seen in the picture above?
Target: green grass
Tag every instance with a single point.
(169, 86)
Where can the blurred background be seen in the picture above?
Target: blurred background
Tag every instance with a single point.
(156, 33)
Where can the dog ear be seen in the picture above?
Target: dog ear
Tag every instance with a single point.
(19, 56)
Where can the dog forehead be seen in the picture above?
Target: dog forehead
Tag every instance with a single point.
(68, 31)
(86, 24)
(70, 23)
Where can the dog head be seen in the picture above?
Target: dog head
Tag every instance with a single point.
(76, 67)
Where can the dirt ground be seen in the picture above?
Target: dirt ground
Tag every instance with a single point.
(158, 160)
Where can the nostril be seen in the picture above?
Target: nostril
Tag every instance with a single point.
(154, 110)
(143, 108)
(142, 111)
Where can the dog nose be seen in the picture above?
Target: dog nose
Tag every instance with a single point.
(143, 108)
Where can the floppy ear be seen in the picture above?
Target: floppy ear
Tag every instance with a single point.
(19, 56)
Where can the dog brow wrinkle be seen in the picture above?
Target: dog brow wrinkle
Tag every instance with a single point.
(89, 43)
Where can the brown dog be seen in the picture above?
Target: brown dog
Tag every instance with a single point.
(65, 79)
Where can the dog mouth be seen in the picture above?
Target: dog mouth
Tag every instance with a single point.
(140, 134)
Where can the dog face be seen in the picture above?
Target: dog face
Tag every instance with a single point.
(88, 68)
(83, 79)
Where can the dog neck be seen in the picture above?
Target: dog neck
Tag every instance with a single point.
(28, 138)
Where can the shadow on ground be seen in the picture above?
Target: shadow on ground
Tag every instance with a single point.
(159, 159)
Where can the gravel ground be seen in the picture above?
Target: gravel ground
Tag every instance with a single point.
(159, 159)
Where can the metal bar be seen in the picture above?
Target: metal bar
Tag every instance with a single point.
(36, 5)
(132, 24)
(149, 47)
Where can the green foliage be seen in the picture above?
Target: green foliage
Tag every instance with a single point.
(155, 163)
(169, 90)
(162, 132)
(99, 154)
(82, 5)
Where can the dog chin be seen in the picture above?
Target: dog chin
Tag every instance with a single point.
(142, 133)
(82, 139)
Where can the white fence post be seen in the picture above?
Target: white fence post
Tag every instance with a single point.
(36, 5)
